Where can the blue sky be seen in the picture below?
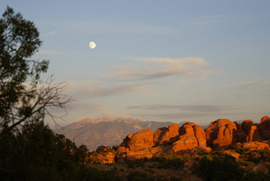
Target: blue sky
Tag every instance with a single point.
(188, 60)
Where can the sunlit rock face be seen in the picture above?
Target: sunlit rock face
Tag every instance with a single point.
(223, 132)
(141, 140)
(165, 135)
(191, 135)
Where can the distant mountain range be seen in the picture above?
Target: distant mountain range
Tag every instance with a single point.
(103, 131)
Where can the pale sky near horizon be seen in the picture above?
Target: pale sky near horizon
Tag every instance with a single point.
(175, 60)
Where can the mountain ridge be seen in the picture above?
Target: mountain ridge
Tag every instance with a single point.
(104, 131)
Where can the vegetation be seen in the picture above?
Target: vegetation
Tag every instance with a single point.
(217, 168)
(30, 150)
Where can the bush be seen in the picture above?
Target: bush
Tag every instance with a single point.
(251, 176)
(220, 168)
(140, 176)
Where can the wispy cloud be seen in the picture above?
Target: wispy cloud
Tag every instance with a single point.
(47, 52)
(97, 89)
(253, 83)
(180, 116)
(50, 33)
(90, 107)
(193, 108)
(153, 68)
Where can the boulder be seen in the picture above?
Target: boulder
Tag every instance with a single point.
(165, 135)
(141, 140)
(159, 135)
(255, 145)
(232, 153)
(191, 135)
(157, 150)
(126, 140)
(145, 153)
(201, 149)
(259, 168)
(223, 132)
(121, 149)
(264, 127)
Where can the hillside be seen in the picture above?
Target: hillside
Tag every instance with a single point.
(103, 131)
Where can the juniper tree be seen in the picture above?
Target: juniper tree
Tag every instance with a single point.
(24, 98)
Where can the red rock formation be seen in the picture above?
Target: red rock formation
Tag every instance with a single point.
(264, 127)
(141, 140)
(255, 145)
(126, 140)
(252, 131)
(106, 157)
(223, 132)
(232, 153)
(145, 153)
(246, 125)
(164, 135)
(191, 135)
(201, 149)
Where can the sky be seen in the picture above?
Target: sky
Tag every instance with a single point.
(156, 60)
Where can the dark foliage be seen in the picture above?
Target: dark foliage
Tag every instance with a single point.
(140, 176)
(222, 168)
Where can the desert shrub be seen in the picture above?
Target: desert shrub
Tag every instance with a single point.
(176, 179)
(167, 161)
(99, 175)
(220, 168)
(136, 163)
(140, 176)
(185, 157)
(251, 176)
(254, 157)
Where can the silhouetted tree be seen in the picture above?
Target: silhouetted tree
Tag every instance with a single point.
(23, 96)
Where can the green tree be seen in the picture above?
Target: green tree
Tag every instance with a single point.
(29, 150)
(23, 96)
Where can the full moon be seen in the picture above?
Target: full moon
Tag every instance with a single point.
(92, 45)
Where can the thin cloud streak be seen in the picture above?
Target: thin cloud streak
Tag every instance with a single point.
(98, 90)
(178, 116)
(154, 68)
(50, 33)
(253, 83)
(193, 108)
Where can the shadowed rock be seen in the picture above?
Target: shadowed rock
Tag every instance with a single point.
(264, 127)
(165, 135)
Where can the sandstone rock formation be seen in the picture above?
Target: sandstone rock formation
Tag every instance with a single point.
(141, 140)
(255, 145)
(165, 135)
(223, 132)
(252, 131)
(191, 135)
(264, 127)
(145, 153)
(201, 149)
